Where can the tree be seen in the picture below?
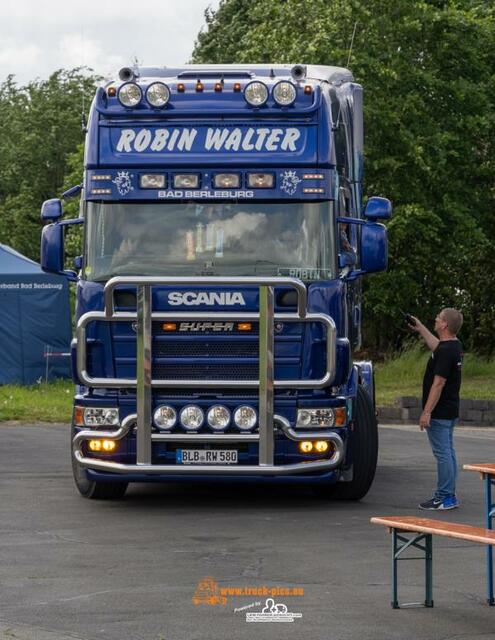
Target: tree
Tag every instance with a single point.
(41, 127)
(427, 70)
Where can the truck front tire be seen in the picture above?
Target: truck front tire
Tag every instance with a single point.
(91, 489)
(363, 443)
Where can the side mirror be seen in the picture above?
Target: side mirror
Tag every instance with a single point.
(378, 209)
(374, 247)
(53, 250)
(52, 210)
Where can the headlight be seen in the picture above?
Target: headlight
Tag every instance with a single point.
(186, 181)
(152, 181)
(256, 94)
(218, 418)
(165, 417)
(227, 180)
(310, 418)
(284, 93)
(130, 94)
(245, 418)
(158, 94)
(101, 417)
(191, 417)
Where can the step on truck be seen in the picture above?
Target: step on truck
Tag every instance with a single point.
(218, 295)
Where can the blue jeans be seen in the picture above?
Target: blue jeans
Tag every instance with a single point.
(441, 437)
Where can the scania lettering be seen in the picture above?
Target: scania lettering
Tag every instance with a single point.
(190, 298)
(218, 294)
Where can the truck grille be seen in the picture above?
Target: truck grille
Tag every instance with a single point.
(200, 371)
(214, 349)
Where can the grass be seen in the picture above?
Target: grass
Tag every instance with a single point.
(400, 376)
(403, 376)
(42, 402)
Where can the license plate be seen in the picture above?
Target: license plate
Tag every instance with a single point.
(206, 456)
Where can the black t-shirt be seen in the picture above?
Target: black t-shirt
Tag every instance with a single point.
(445, 361)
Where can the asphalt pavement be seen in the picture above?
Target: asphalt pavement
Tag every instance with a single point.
(189, 562)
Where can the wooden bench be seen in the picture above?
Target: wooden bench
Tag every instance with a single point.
(422, 530)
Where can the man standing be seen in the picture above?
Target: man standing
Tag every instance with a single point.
(441, 385)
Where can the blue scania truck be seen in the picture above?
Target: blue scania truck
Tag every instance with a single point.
(219, 290)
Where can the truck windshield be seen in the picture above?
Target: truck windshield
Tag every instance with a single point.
(210, 238)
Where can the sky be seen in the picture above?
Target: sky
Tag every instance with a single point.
(38, 37)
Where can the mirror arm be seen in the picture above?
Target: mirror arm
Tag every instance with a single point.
(68, 223)
(358, 221)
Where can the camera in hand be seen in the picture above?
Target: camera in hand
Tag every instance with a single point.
(408, 318)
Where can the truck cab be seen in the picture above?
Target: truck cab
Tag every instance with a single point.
(219, 291)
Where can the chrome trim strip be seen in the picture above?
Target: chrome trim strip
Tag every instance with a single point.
(266, 373)
(241, 281)
(292, 434)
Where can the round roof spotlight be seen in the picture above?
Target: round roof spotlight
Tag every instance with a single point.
(130, 94)
(218, 417)
(158, 94)
(284, 93)
(256, 94)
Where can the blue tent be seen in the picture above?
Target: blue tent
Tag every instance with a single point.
(35, 322)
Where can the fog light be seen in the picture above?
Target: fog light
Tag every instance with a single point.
(102, 445)
(245, 418)
(186, 181)
(306, 446)
(218, 418)
(227, 181)
(321, 446)
(260, 180)
(191, 417)
(152, 181)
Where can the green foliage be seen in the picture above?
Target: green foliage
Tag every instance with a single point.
(41, 127)
(427, 70)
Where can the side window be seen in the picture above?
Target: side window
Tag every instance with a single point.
(347, 237)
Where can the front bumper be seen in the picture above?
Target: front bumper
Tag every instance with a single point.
(310, 467)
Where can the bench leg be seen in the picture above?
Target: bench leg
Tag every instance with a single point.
(490, 514)
(399, 544)
(428, 571)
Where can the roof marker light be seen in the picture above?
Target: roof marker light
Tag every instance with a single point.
(308, 89)
(181, 87)
(111, 92)
(256, 93)
(199, 86)
(237, 87)
(218, 86)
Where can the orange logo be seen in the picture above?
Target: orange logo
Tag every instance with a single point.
(208, 593)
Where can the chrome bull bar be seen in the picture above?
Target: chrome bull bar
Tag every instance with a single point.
(144, 383)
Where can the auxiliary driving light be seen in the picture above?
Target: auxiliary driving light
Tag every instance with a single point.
(227, 180)
(186, 181)
(256, 94)
(165, 417)
(191, 417)
(245, 418)
(102, 445)
(284, 93)
(218, 418)
(130, 94)
(100, 417)
(152, 181)
(260, 180)
(158, 94)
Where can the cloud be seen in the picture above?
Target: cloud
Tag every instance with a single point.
(15, 55)
(76, 51)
